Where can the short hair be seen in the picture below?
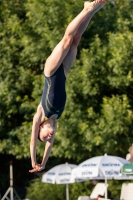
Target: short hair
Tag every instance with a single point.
(39, 132)
(39, 136)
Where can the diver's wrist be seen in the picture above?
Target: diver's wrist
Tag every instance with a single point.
(42, 165)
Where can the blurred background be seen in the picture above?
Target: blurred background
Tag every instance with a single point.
(98, 117)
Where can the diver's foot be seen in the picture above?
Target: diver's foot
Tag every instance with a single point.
(94, 6)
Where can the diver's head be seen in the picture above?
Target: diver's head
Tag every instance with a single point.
(46, 131)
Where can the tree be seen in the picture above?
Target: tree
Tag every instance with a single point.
(98, 114)
(99, 110)
(54, 191)
(105, 77)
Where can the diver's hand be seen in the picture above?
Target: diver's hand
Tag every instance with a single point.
(36, 168)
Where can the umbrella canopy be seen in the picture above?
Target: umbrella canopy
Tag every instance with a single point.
(60, 174)
(124, 177)
(100, 167)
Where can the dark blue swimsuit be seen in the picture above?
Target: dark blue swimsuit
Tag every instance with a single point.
(54, 93)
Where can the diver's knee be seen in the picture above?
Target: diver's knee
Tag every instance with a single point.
(76, 40)
(67, 41)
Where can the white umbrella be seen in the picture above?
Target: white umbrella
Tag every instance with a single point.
(60, 174)
(123, 177)
(99, 167)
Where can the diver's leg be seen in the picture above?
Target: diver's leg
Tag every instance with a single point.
(71, 55)
(61, 50)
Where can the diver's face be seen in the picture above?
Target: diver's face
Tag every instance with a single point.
(46, 132)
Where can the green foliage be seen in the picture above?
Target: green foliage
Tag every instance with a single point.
(99, 86)
(105, 78)
(99, 111)
(39, 190)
